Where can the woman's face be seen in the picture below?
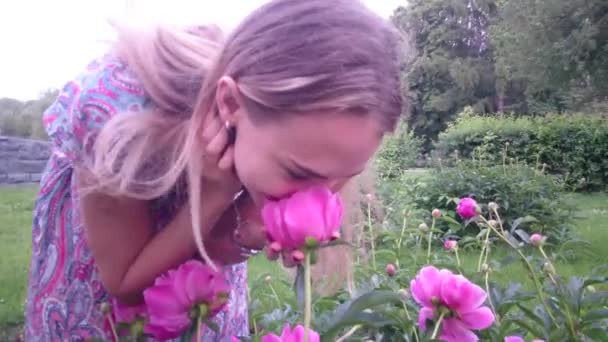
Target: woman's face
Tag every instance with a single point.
(276, 158)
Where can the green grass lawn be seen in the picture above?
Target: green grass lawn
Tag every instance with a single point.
(15, 238)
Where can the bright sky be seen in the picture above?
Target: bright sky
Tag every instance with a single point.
(45, 42)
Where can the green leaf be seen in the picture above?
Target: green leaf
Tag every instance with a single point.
(595, 315)
(527, 326)
(391, 254)
(525, 219)
(352, 312)
(531, 315)
(450, 220)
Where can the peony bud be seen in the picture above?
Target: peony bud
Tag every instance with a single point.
(297, 256)
(423, 227)
(450, 245)
(537, 240)
(436, 213)
(549, 268)
(405, 294)
(276, 247)
(268, 279)
(273, 251)
(493, 223)
(485, 268)
(105, 308)
(391, 270)
(493, 206)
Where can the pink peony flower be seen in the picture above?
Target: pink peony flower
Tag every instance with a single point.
(514, 339)
(450, 244)
(440, 290)
(127, 314)
(467, 208)
(312, 214)
(519, 339)
(537, 240)
(295, 335)
(173, 297)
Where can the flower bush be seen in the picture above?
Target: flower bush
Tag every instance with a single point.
(419, 295)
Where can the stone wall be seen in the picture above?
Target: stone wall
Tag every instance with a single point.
(22, 160)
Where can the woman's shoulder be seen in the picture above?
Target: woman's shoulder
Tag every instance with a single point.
(109, 80)
(106, 87)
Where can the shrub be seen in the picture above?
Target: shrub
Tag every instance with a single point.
(574, 147)
(528, 199)
(398, 153)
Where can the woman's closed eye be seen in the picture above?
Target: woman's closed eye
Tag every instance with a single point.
(296, 176)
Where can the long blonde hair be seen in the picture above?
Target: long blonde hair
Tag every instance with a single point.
(287, 57)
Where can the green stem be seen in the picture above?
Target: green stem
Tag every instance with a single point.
(568, 313)
(409, 317)
(457, 257)
(307, 296)
(371, 233)
(428, 250)
(437, 325)
(199, 323)
(274, 293)
(530, 269)
(487, 276)
(484, 249)
(400, 240)
(113, 327)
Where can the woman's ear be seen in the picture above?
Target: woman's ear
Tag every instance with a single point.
(228, 100)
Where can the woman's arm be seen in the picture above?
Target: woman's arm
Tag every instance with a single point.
(127, 253)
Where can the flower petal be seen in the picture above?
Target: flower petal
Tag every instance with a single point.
(270, 338)
(297, 334)
(160, 300)
(428, 284)
(461, 295)
(273, 221)
(514, 339)
(197, 285)
(423, 315)
(472, 296)
(304, 216)
(167, 327)
(454, 331)
(480, 318)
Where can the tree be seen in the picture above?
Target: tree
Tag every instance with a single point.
(453, 65)
(556, 49)
(24, 119)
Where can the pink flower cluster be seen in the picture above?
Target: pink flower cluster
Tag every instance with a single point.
(289, 335)
(459, 300)
(169, 304)
(519, 339)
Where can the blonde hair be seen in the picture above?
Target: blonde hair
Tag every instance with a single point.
(289, 57)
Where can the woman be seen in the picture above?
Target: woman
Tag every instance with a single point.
(154, 140)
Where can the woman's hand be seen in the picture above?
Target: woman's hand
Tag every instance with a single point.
(232, 241)
(218, 159)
